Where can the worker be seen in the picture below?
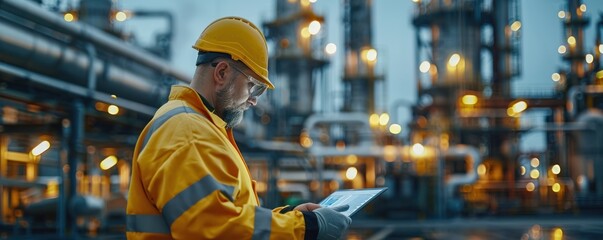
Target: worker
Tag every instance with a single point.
(189, 179)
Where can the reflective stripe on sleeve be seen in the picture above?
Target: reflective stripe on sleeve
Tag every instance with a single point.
(162, 119)
(180, 203)
(261, 223)
(147, 223)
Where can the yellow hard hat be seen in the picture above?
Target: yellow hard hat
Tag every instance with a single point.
(239, 38)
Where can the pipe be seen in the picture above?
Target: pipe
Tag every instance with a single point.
(356, 119)
(455, 180)
(91, 52)
(86, 33)
(42, 55)
(58, 85)
(166, 40)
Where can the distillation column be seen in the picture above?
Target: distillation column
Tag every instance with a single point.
(296, 33)
(360, 58)
(453, 39)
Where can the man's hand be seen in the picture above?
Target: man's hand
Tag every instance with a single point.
(332, 225)
(308, 207)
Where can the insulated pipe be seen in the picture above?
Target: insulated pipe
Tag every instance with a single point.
(358, 120)
(68, 88)
(22, 48)
(87, 33)
(455, 180)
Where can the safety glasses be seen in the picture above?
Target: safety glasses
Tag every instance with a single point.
(256, 88)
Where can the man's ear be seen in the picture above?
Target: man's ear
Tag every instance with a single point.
(219, 74)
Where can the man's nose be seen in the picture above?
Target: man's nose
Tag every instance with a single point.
(252, 100)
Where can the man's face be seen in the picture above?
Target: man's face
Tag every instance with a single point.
(234, 99)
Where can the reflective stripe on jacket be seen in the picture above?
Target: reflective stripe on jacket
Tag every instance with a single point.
(189, 181)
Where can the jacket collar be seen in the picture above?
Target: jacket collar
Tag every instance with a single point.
(189, 95)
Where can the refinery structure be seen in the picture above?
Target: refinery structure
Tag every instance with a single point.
(75, 93)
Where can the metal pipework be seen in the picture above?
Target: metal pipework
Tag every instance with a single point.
(22, 48)
(86, 33)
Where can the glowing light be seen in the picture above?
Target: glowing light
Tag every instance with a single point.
(581, 179)
(313, 1)
(334, 185)
(556, 169)
(556, 77)
(305, 33)
(557, 234)
(571, 40)
(561, 14)
(600, 48)
(331, 48)
(352, 159)
(389, 153)
(583, 7)
(589, 58)
(395, 128)
(599, 74)
(121, 16)
(424, 67)
(523, 170)
(69, 17)
(52, 188)
(383, 119)
(481, 169)
(556, 187)
(314, 27)
(469, 99)
(562, 49)
(40, 148)
(535, 162)
(351, 173)
(113, 110)
(454, 60)
(371, 55)
(530, 186)
(108, 162)
(374, 120)
(534, 174)
(305, 140)
(418, 149)
(519, 106)
(516, 26)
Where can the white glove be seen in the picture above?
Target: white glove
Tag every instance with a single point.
(332, 225)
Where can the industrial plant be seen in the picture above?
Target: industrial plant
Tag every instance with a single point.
(76, 92)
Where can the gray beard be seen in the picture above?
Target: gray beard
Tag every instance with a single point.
(231, 115)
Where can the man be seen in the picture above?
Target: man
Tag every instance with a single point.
(189, 179)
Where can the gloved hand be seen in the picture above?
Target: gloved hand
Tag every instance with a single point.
(332, 224)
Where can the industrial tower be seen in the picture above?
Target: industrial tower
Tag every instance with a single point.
(360, 58)
(297, 62)
(468, 52)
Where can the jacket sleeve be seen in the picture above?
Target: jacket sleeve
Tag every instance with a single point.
(196, 189)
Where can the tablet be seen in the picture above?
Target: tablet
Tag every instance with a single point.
(356, 198)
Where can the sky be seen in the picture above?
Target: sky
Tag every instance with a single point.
(393, 37)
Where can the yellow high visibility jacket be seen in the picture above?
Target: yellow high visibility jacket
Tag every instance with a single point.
(189, 181)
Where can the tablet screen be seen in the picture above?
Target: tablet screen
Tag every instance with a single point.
(356, 198)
